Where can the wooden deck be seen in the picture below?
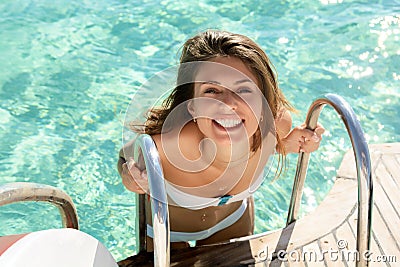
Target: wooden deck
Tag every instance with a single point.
(326, 237)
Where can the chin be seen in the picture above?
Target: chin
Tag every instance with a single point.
(230, 141)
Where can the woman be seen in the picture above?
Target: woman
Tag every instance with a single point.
(215, 133)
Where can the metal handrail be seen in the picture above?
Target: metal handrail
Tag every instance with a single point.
(363, 166)
(24, 191)
(145, 148)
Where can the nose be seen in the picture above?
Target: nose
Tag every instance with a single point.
(230, 100)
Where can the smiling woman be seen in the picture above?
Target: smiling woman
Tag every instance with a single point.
(233, 100)
(70, 70)
(214, 134)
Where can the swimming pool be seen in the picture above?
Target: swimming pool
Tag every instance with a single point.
(70, 68)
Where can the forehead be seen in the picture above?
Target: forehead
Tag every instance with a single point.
(225, 70)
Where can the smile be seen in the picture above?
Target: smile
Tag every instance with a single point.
(228, 123)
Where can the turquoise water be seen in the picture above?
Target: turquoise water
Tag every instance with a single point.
(70, 68)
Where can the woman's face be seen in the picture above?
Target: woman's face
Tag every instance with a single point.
(227, 102)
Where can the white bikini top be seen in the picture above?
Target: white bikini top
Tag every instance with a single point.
(193, 202)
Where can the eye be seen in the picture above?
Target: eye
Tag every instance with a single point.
(244, 90)
(211, 90)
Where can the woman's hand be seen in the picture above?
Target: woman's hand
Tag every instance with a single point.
(133, 178)
(300, 139)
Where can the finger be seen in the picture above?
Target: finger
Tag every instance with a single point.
(133, 186)
(319, 130)
(144, 174)
(143, 188)
(309, 135)
(313, 136)
(310, 147)
(319, 127)
(130, 183)
(144, 183)
(316, 138)
(125, 169)
(141, 178)
(132, 180)
(140, 190)
(133, 170)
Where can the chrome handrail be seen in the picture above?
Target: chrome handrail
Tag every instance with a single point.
(363, 166)
(145, 148)
(25, 191)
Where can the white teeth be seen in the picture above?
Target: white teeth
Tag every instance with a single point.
(227, 123)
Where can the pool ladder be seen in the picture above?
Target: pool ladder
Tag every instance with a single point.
(28, 192)
(363, 166)
(158, 194)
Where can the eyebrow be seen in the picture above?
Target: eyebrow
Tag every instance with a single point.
(244, 81)
(211, 82)
(237, 82)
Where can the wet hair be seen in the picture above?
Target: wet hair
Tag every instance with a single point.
(207, 46)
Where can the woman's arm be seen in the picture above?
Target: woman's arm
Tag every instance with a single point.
(283, 123)
(298, 139)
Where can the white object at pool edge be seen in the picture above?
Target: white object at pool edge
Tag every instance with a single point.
(57, 247)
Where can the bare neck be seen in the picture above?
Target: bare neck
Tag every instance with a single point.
(224, 156)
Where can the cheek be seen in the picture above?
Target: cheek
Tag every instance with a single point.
(252, 127)
(204, 126)
(254, 115)
(204, 107)
(254, 107)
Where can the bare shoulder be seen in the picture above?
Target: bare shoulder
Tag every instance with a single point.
(159, 145)
(189, 132)
(157, 139)
(184, 140)
(174, 148)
